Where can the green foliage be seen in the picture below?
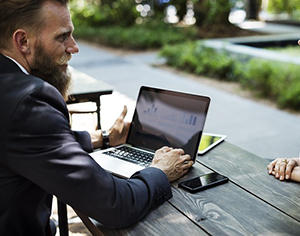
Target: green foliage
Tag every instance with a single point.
(218, 11)
(276, 80)
(279, 6)
(136, 37)
(213, 13)
(218, 64)
(96, 13)
(256, 77)
(270, 79)
(194, 57)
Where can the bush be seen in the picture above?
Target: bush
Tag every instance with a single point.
(275, 80)
(257, 75)
(196, 58)
(269, 79)
(279, 6)
(145, 36)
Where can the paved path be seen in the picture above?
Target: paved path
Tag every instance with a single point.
(258, 128)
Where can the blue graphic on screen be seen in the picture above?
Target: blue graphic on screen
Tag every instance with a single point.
(189, 119)
(185, 118)
(151, 111)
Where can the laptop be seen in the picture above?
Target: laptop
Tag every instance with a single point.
(161, 118)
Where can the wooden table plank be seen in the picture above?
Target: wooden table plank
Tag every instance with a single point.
(229, 210)
(250, 172)
(165, 220)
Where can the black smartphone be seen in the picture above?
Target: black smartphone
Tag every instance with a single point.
(203, 182)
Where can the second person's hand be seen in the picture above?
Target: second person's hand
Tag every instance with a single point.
(282, 168)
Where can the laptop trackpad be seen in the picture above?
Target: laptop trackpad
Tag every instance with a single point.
(116, 166)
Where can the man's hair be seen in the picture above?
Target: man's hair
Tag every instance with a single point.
(20, 14)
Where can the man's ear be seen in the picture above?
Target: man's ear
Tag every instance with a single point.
(21, 40)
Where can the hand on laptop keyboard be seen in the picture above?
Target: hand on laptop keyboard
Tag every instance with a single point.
(172, 161)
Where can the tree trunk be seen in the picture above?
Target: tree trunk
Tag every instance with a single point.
(215, 12)
(252, 9)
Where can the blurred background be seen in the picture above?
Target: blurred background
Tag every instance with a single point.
(196, 18)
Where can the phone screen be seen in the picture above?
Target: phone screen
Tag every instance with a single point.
(203, 182)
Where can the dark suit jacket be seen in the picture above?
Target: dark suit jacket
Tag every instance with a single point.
(40, 156)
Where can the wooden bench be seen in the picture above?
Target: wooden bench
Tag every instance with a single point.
(87, 89)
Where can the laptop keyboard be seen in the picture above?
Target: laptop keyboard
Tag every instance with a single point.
(132, 155)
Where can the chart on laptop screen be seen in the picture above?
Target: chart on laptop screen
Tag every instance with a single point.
(169, 121)
(166, 119)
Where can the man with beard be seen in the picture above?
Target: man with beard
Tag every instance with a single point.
(39, 155)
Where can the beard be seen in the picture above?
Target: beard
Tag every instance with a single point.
(50, 70)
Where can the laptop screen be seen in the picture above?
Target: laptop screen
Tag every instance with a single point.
(168, 118)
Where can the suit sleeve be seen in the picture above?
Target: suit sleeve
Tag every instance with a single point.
(84, 139)
(42, 148)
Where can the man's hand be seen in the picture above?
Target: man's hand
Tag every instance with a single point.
(172, 161)
(285, 168)
(119, 131)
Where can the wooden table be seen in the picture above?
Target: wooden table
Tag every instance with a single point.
(252, 203)
(87, 88)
